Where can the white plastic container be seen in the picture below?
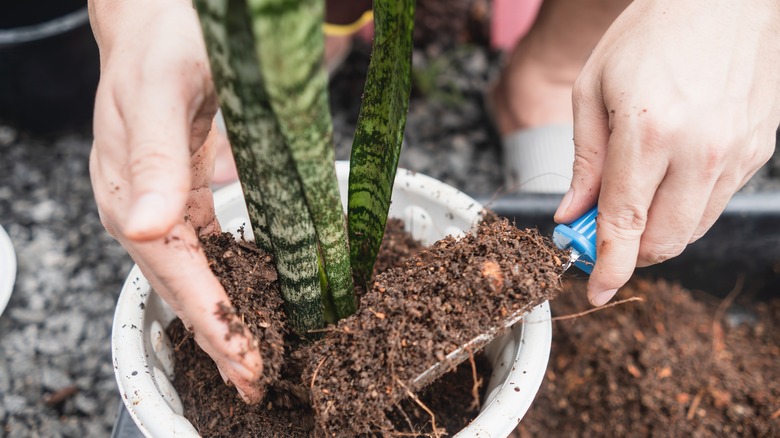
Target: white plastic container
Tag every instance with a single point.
(143, 356)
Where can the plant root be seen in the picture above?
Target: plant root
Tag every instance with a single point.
(695, 405)
(475, 402)
(316, 370)
(718, 344)
(417, 400)
(589, 311)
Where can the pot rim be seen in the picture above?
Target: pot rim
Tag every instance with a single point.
(138, 339)
(7, 269)
(24, 34)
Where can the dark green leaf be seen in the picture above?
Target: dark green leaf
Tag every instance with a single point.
(379, 133)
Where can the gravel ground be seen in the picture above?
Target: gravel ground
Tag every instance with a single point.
(55, 333)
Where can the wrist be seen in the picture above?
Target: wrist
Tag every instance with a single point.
(114, 19)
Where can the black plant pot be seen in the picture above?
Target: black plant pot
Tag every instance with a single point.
(49, 65)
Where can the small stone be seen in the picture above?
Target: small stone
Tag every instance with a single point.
(86, 404)
(14, 404)
(44, 211)
(476, 64)
(16, 428)
(54, 379)
(25, 315)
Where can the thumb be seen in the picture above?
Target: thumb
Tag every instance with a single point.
(591, 135)
(158, 163)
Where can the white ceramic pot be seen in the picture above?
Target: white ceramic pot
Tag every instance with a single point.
(143, 356)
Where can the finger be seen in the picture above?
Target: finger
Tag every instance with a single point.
(730, 182)
(676, 211)
(203, 160)
(629, 183)
(200, 206)
(177, 268)
(158, 128)
(591, 135)
(724, 189)
(250, 392)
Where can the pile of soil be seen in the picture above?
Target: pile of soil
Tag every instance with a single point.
(417, 314)
(364, 367)
(677, 364)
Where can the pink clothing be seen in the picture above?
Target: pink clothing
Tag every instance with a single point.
(511, 19)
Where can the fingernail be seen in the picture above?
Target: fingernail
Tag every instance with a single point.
(600, 298)
(564, 205)
(243, 395)
(224, 377)
(242, 370)
(144, 214)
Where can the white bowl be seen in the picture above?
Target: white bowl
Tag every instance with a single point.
(7, 269)
(143, 356)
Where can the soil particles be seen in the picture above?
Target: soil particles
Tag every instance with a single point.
(677, 364)
(358, 373)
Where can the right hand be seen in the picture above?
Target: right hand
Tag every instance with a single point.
(151, 166)
(676, 108)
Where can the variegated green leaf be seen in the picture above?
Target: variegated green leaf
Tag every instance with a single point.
(379, 133)
(290, 44)
(266, 169)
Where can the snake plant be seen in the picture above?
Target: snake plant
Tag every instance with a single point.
(266, 58)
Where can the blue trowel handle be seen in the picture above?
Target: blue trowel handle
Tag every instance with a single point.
(579, 236)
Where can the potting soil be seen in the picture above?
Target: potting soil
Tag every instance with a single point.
(412, 316)
(677, 364)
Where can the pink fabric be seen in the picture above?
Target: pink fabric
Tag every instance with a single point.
(510, 20)
(367, 32)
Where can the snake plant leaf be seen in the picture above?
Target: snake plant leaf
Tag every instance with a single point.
(379, 134)
(266, 169)
(290, 43)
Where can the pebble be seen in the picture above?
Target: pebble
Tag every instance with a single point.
(86, 404)
(14, 404)
(54, 379)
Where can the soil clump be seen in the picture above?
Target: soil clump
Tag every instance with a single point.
(413, 315)
(678, 364)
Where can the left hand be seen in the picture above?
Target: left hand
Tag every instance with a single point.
(674, 111)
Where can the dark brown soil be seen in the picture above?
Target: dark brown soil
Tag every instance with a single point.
(250, 280)
(397, 246)
(418, 313)
(673, 365)
(444, 296)
(216, 410)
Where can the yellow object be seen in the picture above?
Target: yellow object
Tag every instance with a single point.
(348, 29)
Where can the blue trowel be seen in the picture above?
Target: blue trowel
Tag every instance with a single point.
(579, 237)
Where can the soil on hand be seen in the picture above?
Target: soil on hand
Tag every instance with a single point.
(428, 295)
(673, 365)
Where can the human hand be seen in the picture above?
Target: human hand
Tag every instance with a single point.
(151, 165)
(674, 111)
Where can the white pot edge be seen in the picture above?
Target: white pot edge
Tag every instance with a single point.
(7, 269)
(147, 397)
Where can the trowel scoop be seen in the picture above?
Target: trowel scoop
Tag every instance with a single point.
(579, 237)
